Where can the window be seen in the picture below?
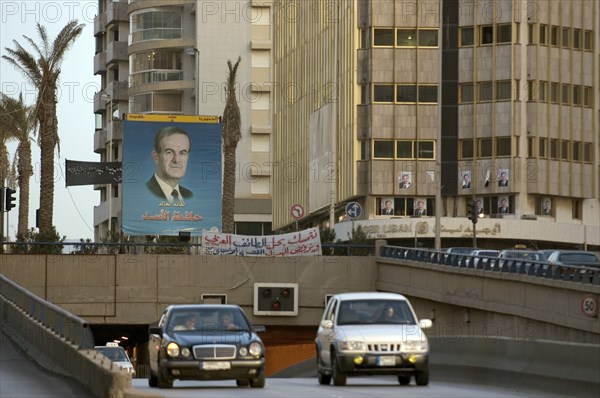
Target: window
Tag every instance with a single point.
(503, 146)
(466, 92)
(466, 37)
(564, 150)
(404, 149)
(486, 34)
(553, 148)
(406, 93)
(486, 91)
(155, 66)
(383, 93)
(383, 37)
(405, 206)
(485, 148)
(588, 98)
(566, 37)
(466, 149)
(530, 90)
(543, 34)
(425, 150)
(576, 209)
(542, 147)
(155, 102)
(577, 39)
(383, 149)
(576, 95)
(531, 34)
(428, 93)
(587, 40)
(406, 38)
(566, 94)
(428, 38)
(503, 90)
(543, 88)
(156, 25)
(554, 92)
(587, 152)
(554, 36)
(503, 33)
(575, 151)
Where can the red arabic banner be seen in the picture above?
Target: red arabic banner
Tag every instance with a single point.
(301, 243)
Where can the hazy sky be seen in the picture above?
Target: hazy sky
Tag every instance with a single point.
(73, 206)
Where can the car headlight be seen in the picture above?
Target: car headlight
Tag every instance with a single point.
(185, 352)
(352, 346)
(173, 350)
(255, 349)
(415, 345)
(243, 351)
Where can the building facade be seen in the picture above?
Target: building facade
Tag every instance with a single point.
(419, 111)
(170, 57)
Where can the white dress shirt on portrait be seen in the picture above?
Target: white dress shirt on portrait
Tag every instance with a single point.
(167, 190)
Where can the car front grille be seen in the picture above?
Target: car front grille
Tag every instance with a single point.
(384, 347)
(214, 351)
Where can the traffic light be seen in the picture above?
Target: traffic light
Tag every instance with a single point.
(472, 211)
(280, 299)
(9, 198)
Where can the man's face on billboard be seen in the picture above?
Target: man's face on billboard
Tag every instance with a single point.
(171, 162)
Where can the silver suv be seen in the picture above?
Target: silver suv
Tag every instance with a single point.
(371, 334)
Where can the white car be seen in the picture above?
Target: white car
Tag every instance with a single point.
(371, 333)
(117, 355)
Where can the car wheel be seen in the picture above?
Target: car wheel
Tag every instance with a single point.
(163, 382)
(403, 380)
(258, 382)
(323, 378)
(339, 377)
(422, 377)
(152, 380)
(242, 382)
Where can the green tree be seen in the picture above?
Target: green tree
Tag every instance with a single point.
(231, 133)
(42, 69)
(18, 120)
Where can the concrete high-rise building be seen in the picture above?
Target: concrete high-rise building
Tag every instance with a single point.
(418, 110)
(170, 57)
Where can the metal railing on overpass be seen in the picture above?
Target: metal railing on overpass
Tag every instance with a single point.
(541, 269)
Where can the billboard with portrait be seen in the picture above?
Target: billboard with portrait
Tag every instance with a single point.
(171, 174)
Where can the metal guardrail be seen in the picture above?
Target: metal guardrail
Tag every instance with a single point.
(541, 269)
(71, 327)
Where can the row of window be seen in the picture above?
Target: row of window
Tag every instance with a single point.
(156, 25)
(565, 37)
(155, 102)
(487, 34)
(564, 93)
(405, 37)
(486, 147)
(499, 90)
(556, 149)
(404, 93)
(403, 149)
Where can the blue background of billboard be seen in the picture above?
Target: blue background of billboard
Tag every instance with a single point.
(202, 177)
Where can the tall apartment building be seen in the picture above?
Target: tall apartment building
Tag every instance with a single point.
(170, 57)
(499, 95)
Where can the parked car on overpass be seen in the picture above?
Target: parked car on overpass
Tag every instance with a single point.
(484, 255)
(522, 256)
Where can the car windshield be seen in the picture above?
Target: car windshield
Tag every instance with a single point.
(208, 319)
(575, 258)
(524, 255)
(115, 354)
(358, 312)
(487, 253)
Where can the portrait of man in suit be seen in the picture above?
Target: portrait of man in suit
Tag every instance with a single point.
(547, 207)
(404, 180)
(171, 154)
(387, 208)
(466, 180)
(503, 206)
(478, 207)
(419, 208)
(503, 178)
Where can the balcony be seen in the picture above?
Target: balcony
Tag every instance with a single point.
(100, 24)
(101, 212)
(100, 63)
(100, 101)
(100, 141)
(117, 51)
(117, 91)
(117, 12)
(117, 130)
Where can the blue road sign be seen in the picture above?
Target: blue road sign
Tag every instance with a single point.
(353, 210)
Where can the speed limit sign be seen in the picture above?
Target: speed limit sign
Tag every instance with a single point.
(589, 306)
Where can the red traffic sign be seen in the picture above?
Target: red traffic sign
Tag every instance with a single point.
(297, 211)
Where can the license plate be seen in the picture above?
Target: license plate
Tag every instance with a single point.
(216, 365)
(386, 361)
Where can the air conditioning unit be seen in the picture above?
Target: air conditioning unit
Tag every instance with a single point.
(276, 299)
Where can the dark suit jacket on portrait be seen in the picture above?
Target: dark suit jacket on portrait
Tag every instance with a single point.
(387, 212)
(502, 183)
(154, 187)
(466, 185)
(503, 210)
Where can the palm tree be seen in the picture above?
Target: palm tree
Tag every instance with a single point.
(232, 134)
(42, 70)
(4, 170)
(18, 120)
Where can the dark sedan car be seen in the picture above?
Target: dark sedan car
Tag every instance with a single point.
(205, 342)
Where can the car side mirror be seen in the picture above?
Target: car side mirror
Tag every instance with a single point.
(155, 330)
(425, 323)
(327, 324)
(258, 328)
